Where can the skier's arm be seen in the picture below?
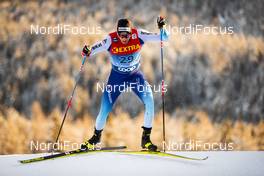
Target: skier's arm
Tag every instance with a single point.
(146, 36)
(98, 47)
(101, 46)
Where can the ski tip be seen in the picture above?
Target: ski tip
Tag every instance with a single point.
(205, 158)
(23, 161)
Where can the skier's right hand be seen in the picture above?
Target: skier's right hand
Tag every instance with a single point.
(86, 50)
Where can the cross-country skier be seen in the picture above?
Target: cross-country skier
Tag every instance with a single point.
(124, 46)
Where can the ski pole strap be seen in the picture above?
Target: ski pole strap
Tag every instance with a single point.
(83, 61)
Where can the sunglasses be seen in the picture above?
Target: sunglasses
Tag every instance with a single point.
(124, 35)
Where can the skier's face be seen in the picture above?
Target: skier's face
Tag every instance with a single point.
(124, 37)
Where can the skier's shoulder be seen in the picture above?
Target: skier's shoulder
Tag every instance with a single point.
(107, 39)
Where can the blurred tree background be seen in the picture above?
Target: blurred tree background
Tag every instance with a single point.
(215, 82)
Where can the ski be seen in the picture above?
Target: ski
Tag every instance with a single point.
(112, 150)
(162, 154)
(70, 153)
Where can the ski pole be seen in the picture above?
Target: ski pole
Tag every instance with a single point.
(162, 90)
(70, 100)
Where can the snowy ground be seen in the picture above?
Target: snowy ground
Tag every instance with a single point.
(219, 163)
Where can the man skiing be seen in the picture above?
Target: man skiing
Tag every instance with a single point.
(124, 46)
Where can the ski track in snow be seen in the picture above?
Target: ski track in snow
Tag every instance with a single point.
(107, 164)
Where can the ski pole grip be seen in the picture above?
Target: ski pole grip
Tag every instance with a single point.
(83, 60)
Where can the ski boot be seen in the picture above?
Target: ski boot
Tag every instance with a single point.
(146, 143)
(95, 139)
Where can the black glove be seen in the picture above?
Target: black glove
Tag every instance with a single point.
(161, 22)
(86, 50)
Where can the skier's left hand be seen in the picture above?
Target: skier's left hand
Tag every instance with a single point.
(161, 22)
(86, 50)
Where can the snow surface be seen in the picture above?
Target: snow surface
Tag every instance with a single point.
(219, 163)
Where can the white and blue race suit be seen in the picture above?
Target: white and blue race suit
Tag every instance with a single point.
(125, 60)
